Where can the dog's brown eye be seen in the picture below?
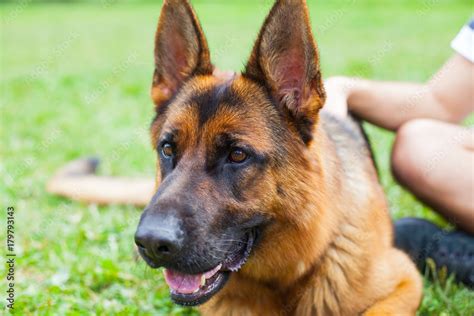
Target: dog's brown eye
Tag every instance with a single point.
(237, 156)
(167, 150)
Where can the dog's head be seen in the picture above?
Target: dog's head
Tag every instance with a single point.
(229, 147)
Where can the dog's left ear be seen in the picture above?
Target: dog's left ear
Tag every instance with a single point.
(285, 59)
(181, 50)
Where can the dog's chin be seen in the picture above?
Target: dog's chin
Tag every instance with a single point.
(195, 289)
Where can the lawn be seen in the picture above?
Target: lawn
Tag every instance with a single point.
(75, 81)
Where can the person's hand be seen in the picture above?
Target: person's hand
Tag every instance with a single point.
(337, 94)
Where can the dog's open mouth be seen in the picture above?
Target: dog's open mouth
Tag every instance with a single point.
(195, 289)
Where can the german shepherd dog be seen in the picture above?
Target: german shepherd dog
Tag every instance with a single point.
(264, 204)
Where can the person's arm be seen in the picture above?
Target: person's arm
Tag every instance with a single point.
(448, 96)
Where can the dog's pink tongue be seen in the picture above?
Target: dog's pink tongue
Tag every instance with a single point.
(182, 283)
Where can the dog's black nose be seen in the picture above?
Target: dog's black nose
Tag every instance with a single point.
(160, 238)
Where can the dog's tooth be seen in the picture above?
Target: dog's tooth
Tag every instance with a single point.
(203, 280)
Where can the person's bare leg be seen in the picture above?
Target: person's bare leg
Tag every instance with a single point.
(435, 161)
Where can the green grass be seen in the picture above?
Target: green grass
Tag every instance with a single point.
(75, 81)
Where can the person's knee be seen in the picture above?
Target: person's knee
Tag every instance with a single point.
(410, 149)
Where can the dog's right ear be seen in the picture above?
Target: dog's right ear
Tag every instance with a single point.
(181, 50)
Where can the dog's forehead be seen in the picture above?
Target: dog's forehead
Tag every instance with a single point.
(209, 106)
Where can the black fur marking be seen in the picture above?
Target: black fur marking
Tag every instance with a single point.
(210, 101)
(280, 191)
(367, 141)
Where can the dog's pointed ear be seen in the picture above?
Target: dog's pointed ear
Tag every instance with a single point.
(285, 59)
(181, 50)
